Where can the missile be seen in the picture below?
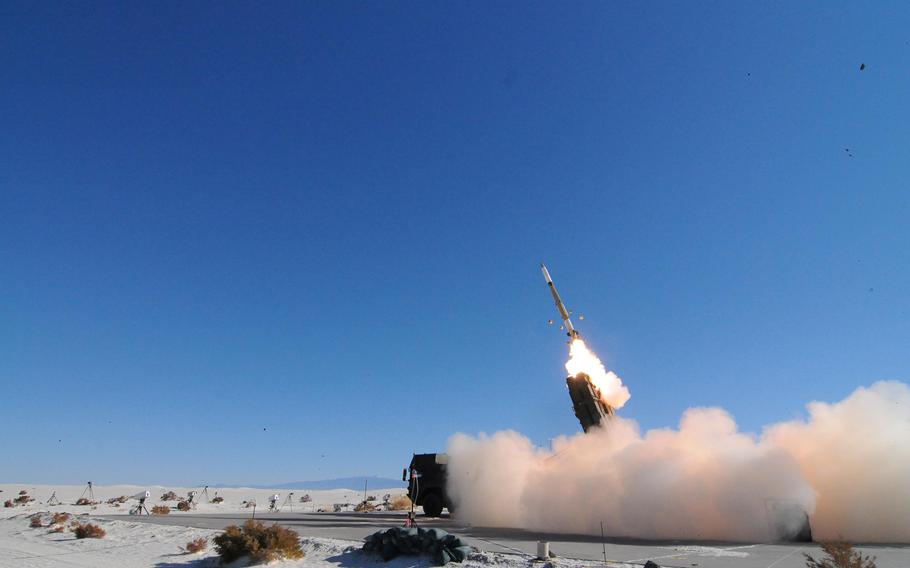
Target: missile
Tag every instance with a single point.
(563, 312)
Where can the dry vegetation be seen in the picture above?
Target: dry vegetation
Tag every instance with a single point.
(22, 499)
(840, 555)
(198, 545)
(161, 510)
(169, 496)
(87, 530)
(217, 499)
(183, 506)
(258, 542)
(400, 503)
(60, 518)
(35, 523)
(364, 507)
(117, 500)
(8, 503)
(57, 529)
(83, 501)
(306, 499)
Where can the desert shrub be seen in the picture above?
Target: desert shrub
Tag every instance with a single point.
(83, 501)
(169, 496)
(117, 500)
(183, 506)
(57, 529)
(260, 543)
(364, 507)
(306, 499)
(22, 499)
(371, 498)
(840, 555)
(161, 510)
(87, 530)
(218, 499)
(198, 545)
(8, 503)
(35, 523)
(400, 503)
(23, 492)
(60, 518)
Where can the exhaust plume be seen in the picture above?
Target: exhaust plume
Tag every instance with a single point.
(583, 360)
(847, 466)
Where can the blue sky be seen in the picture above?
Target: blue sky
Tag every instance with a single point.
(252, 243)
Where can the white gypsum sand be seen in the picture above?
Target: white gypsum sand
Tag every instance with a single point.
(129, 544)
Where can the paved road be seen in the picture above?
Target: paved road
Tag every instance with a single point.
(355, 526)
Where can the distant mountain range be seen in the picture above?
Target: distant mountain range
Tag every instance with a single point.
(355, 483)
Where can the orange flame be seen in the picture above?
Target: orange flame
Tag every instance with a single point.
(583, 360)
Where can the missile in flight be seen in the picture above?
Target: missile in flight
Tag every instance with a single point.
(563, 312)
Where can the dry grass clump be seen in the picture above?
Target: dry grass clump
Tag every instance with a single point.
(83, 501)
(8, 503)
(57, 529)
(306, 498)
(840, 555)
(169, 496)
(117, 500)
(161, 510)
(23, 492)
(22, 499)
(260, 543)
(87, 530)
(183, 506)
(60, 518)
(198, 545)
(400, 503)
(218, 499)
(364, 507)
(35, 523)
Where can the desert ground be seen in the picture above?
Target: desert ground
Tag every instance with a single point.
(330, 538)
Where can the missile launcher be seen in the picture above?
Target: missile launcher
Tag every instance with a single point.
(589, 408)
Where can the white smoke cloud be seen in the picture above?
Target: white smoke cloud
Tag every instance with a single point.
(848, 466)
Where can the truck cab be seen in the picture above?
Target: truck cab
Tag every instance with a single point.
(426, 477)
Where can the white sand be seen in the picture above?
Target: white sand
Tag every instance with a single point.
(131, 544)
(233, 498)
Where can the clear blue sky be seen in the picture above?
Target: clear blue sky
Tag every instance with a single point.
(326, 219)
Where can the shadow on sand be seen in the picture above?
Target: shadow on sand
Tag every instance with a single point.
(209, 562)
(360, 559)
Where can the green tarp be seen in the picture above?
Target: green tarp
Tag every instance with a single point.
(442, 546)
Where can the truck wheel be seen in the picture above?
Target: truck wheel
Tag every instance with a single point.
(432, 505)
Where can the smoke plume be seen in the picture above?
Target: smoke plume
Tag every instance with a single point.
(847, 465)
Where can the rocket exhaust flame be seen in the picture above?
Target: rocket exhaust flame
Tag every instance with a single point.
(583, 360)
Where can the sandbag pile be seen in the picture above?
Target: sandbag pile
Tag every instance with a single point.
(441, 545)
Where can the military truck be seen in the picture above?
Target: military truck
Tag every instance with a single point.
(426, 477)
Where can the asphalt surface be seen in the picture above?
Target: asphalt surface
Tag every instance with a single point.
(675, 554)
